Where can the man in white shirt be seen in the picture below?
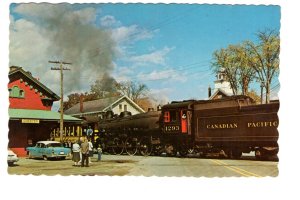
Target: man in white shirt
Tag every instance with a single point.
(91, 153)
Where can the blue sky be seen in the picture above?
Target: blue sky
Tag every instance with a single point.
(166, 46)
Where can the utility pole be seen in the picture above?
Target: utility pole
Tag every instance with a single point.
(262, 84)
(61, 63)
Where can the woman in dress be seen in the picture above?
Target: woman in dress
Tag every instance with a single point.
(76, 153)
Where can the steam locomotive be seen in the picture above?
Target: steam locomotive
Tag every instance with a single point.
(228, 127)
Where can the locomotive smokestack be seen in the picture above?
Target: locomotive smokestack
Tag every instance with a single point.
(81, 103)
(209, 91)
(158, 108)
(150, 109)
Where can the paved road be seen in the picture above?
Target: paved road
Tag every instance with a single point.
(150, 166)
(204, 167)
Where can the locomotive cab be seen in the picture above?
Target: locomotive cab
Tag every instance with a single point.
(176, 126)
(177, 118)
(177, 121)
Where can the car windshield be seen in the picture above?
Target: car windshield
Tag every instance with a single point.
(54, 145)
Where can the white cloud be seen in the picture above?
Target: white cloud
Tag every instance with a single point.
(125, 38)
(123, 73)
(167, 75)
(160, 96)
(109, 21)
(52, 12)
(130, 34)
(157, 57)
(28, 48)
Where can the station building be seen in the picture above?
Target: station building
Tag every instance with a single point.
(30, 115)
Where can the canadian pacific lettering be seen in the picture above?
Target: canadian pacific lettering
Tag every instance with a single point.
(219, 126)
(262, 124)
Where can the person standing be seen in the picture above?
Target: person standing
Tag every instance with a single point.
(89, 132)
(80, 141)
(76, 153)
(99, 149)
(85, 153)
(91, 153)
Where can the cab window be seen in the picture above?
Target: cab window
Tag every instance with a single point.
(170, 116)
(167, 116)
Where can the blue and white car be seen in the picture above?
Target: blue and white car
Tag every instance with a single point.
(11, 157)
(48, 149)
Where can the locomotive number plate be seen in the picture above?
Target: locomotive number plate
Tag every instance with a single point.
(172, 128)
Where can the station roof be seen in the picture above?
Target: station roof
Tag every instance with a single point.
(16, 114)
(16, 72)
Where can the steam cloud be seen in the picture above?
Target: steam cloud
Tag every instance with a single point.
(61, 32)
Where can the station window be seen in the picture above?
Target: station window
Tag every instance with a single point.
(125, 107)
(120, 107)
(16, 92)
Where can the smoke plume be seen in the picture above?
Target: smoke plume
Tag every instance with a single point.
(60, 32)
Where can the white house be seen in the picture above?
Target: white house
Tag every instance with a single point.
(91, 111)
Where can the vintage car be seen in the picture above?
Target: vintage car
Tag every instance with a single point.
(11, 157)
(48, 149)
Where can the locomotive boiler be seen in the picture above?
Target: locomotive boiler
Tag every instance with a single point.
(130, 134)
(229, 126)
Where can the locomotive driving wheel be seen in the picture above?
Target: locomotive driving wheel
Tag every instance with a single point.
(170, 150)
(118, 146)
(183, 150)
(236, 154)
(131, 146)
(145, 147)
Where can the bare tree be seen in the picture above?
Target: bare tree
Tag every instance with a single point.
(104, 87)
(132, 89)
(246, 73)
(222, 61)
(233, 61)
(264, 58)
(72, 100)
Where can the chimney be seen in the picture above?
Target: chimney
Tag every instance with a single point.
(209, 91)
(81, 103)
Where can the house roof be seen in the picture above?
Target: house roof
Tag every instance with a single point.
(16, 114)
(218, 91)
(14, 70)
(100, 105)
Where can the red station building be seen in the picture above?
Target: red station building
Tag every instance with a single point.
(30, 115)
